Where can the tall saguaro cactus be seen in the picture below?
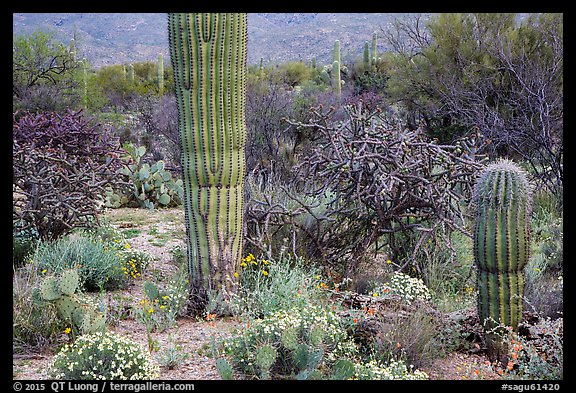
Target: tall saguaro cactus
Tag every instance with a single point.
(208, 53)
(501, 248)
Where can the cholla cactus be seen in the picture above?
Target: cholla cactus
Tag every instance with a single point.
(501, 248)
(208, 53)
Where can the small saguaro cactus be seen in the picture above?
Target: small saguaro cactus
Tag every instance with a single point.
(73, 50)
(366, 58)
(160, 74)
(85, 82)
(501, 249)
(208, 53)
(374, 48)
(336, 82)
(131, 73)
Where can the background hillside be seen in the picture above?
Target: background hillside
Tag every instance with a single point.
(108, 38)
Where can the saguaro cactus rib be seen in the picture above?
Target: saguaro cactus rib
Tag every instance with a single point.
(208, 53)
(501, 248)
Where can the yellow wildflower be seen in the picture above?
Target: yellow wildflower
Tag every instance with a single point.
(67, 330)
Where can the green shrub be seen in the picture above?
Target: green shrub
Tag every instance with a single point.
(544, 270)
(103, 356)
(163, 303)
(23, 244)
(99, 263)
(268, 286)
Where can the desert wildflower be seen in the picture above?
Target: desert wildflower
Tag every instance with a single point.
(67, 330)
(236, 274)
(264, 272)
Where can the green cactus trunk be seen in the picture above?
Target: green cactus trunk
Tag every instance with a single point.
(208, 53)
(160, 74)
(374, 48)
(501, 249)
(85, 83)
(336, 82)
(131, 74)
(366, 56)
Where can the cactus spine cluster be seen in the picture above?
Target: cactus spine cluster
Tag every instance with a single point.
(208, 53)
(501, 248)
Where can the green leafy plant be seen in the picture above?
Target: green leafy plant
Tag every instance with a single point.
(98, 263)
(268, 286)
(103, 356)
(172, 355)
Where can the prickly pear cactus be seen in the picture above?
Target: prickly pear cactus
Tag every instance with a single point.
(501, 248)
(224, 369)
(208, 53)
(70, 305)
(343, 369)
(265, 357)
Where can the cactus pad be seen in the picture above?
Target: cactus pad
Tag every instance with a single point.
(68, 282)
(224, 369)
(49, 289)
(266, 356)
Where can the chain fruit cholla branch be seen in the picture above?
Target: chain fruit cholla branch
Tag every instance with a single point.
(208, 53)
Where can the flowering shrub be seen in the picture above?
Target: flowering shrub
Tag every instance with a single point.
(103, 356)
(408, 288)
(302, 343)
(267, 286)
(394, 370)
(162, 305)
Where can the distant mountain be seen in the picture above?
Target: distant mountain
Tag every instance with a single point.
(107, 38)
